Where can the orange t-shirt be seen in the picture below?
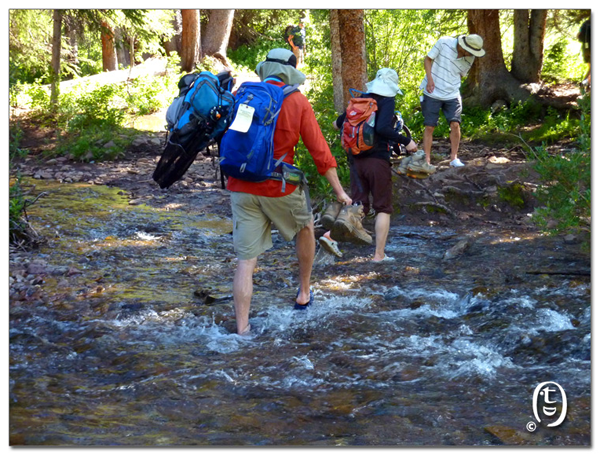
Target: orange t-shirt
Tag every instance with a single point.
(296, 119)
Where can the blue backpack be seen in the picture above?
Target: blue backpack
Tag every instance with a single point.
(249, 155)
(200, 114)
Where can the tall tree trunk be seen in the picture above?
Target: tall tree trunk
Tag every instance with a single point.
(109, 53)
(174, 43)
(123, 56)
(353, 50)
(190, 39)
(218, 29)
(528, 52)
(71, 33)
(56, 49)
(489, 79)
(336, 62)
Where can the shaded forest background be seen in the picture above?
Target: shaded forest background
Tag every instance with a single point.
(521, 92)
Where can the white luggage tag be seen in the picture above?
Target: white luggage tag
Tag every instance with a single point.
(243, 118)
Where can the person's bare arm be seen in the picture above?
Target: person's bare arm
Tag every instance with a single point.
(428, 63)
(334, 181)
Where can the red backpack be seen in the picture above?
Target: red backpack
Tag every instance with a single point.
(358, 130)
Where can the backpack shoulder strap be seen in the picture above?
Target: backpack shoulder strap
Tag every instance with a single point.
(289, 89)
(354, 93)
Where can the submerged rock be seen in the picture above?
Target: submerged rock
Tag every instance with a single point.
(510, 436)
(460, 248)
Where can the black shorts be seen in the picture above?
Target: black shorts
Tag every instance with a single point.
(372, 176)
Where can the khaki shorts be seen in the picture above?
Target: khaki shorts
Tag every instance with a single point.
(253, 215)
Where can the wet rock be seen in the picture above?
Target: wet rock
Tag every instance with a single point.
(392, 293)
(510, 436)
(43, 175)
(571, 239)
(457, 250)
(139, 141)
(36, 268)
(208, 297)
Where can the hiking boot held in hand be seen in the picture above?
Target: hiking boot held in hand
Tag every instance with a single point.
(419, 163)
(403, 166)
(348, 226)
(331, 213)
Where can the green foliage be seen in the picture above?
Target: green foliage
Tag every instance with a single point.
(14, 148)
(96, 108)
(15, 210)
(146, 95)
(563, 60)
(246, 58)
(566, 192)
(401, 38)
(38, 99)
(256, 32)
(30, 32)
(92, 118)
(513, 194)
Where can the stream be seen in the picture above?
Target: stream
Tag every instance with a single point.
(127, 339)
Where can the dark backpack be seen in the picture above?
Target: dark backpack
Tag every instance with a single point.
(200, 114)
(358, 130)
(297, 36)
(585, 33)
(288, 31)
(400, 128)
(248, 154)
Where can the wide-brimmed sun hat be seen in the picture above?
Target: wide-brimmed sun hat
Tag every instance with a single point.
(385, 83)
(473, 44)
(280, 63)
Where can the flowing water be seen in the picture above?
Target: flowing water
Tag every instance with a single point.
(134, 346)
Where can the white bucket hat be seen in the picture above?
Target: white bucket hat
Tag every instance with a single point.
(280, 63)
(473, 44)
(385, 83)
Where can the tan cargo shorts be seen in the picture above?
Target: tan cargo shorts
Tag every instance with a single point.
(253, 215)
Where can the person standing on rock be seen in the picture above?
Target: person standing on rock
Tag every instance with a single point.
(255, 205)
(585, 38)
(447, 62)
(372, 176)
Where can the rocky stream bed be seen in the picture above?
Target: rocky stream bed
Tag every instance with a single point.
(121, 320)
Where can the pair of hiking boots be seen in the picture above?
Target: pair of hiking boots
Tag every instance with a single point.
(415, 164)
(345, 223)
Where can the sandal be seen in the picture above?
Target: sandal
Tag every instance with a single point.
(298, 306)
(330, 246)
